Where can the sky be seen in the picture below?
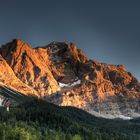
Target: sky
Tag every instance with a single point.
(106, 30)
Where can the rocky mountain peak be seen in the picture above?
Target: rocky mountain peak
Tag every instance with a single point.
(29, 67)
(13, 50)
(67, 50)
(62, 74)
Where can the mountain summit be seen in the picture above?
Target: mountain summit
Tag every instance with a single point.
(62, 74)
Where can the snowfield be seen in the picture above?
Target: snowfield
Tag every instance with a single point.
(70, 84)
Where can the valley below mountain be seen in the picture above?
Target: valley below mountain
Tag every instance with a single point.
(36, 119)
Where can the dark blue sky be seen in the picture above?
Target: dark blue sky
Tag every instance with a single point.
(107, 30)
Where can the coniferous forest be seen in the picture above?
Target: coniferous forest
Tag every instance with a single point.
(39, 120)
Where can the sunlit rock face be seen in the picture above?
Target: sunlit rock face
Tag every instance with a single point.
(29, 67)
(62, 74)
(9, 79)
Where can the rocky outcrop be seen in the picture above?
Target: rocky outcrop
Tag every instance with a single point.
(29, 67)
(9, 79)
(62, 74)
(100, 84)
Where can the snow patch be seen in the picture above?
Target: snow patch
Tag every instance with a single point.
(76, 83)
(63, 85)
(70, 84)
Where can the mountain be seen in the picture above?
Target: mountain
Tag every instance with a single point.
(62, 74)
